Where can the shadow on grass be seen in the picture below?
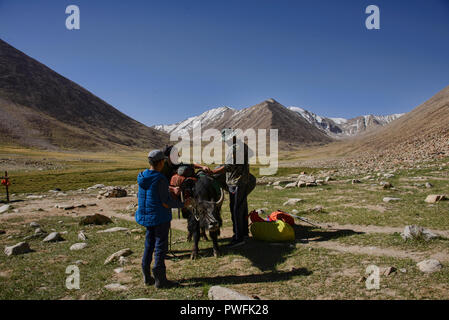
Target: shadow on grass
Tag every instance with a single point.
(306, 234)
(266, 255)
(273, 276)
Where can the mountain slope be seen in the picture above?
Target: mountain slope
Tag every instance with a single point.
(269, 114)
(421, 134)
(40, 108)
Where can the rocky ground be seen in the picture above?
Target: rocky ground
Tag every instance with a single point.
(385, 218)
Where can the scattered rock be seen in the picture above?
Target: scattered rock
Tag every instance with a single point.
(354, 181)
(389, 199)
(311, 184)
(292, 202)
(115, 287)
(119, 270)
(4, 208)
(115, 256)
(115, 229)
(116, 192)
(132, 206)
(78, 262)
(53, 237)
(122, 261)
(39, 232)
(428, 185)
(306, 178)
(388, 175)
(429, 266)
(278, 188)
(434, 198)
(222, 293)
(294, 211)
(78, 246)
(317, 209)
(417, 233)
(34, 197)
(302, 184)
(97, 186)
(386, 185)
(290, 185)
(389, 271)
(20, 248)
(97, 219)
(34, 225)
(82, 236)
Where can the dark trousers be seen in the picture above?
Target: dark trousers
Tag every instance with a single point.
(239, 211)
(156, 240)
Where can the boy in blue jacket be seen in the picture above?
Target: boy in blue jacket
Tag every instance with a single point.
(154, 213)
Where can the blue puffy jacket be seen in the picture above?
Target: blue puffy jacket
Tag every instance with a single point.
(150, 211)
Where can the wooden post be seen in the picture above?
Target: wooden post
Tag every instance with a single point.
(7, 191)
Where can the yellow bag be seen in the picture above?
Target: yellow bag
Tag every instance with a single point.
(273, 231)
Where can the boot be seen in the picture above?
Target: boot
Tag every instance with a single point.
(147, 278)
(160, 279)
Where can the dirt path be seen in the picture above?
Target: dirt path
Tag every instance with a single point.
(34, 209)
(375, 251)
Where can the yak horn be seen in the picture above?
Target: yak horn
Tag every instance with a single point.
(220, 201)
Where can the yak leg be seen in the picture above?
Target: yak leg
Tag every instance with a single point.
(203, 234)
(194, 230)
(214, 236)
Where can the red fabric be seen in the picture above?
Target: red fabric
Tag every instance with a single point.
(281, 215)
(254, 216)
(176, 181)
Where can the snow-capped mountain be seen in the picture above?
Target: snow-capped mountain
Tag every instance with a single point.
(206, 119)
(338, 127)
(228, 117)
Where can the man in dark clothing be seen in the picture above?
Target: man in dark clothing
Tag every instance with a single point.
(237, 180)
(154, 213)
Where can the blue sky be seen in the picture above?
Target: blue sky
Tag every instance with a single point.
(163, 61)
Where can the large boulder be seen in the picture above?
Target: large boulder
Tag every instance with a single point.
(116, 256)
(417, 233)
(434, 198)
(4, 208)
(429, 266)
(116, 287)
(290, 185)
(306, 178)
(78, 246)
(222, 293)
(292, 202)
(20, 248)
(390, 199)
(115, 229)
(53, 237)
(97, 219)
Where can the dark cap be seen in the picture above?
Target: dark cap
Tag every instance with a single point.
(156, 155)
